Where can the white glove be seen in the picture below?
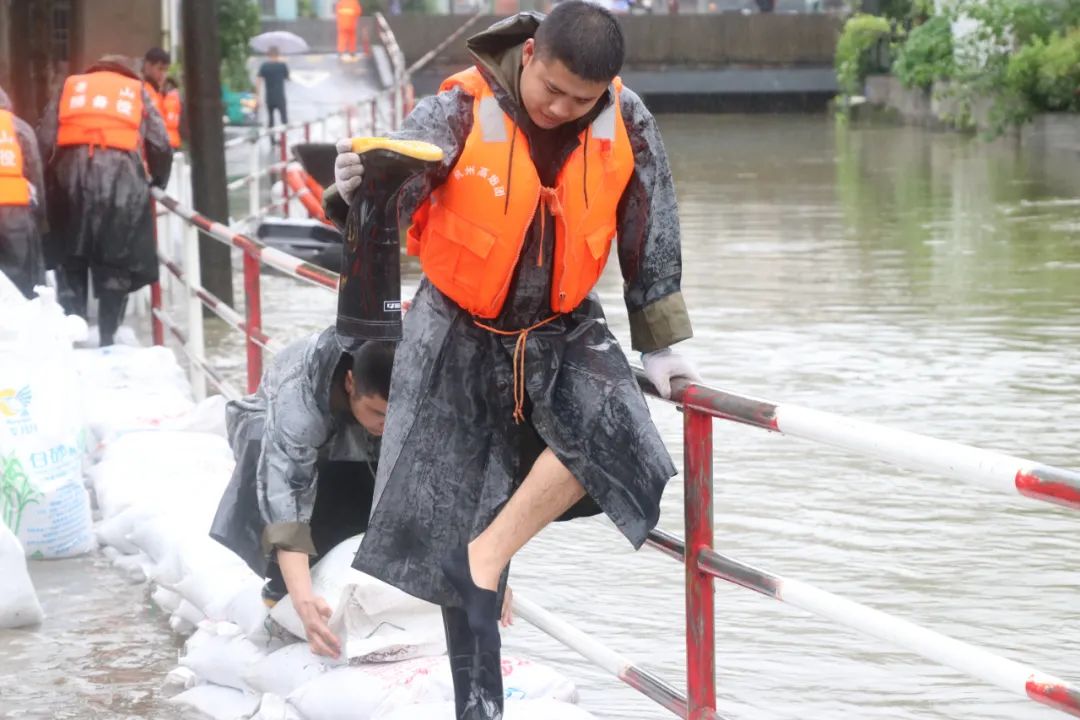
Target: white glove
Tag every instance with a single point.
(348, 170)
(661, 366)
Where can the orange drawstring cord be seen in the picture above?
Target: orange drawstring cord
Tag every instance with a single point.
(549, 199)
(518, 361)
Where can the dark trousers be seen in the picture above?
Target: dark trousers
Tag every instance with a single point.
(73, 286)
(342, 507)
(282, 113)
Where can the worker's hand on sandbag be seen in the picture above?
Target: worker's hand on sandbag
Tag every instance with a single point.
(662, 366)
(348, 170)
(315, 613)
(507, 617)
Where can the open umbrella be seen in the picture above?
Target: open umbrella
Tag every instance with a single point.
(286, 42)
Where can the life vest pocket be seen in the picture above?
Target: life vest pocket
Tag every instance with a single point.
(455, 253)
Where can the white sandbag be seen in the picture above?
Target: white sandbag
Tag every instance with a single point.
(42, 498)
(283, 671)
(181, 626)
(178, 680)
(514, 710)
(18, 602)
(130, 389)
(374, 622)
(136, 569)
(218, 703)
(166, 599)
(420, 680)
(221, 655)
(524, 679)
(207, 417)
(186, 611)
(248, 610)
(274, 707)
(114, 531)
(430, 680)
(347, 693)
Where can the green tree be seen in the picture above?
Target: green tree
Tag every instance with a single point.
(238, 21)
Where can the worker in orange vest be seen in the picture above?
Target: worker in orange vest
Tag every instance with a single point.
(348, 15)
(22, 202)
(106, 146)
(173, 111)
(155, 71)
(513, 403)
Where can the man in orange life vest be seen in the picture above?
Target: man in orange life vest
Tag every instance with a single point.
(22, 202)
(166, 100)
(511, 403)
(348, 15)
(105, 144)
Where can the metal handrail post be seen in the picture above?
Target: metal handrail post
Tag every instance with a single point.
(284, 161)
(253, 184)
(698, 512)
(157, 330)
(196, 343)
(253, 318)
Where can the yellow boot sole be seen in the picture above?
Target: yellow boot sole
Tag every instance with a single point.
(417, 149)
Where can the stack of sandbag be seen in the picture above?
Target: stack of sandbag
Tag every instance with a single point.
(18, 601)
(42, 496)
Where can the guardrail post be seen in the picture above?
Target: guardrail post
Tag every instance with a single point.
(307, 132)
(698, 505)
(157, 330)
(195, 342)
(284, 160)
(253, 320)
(374, 116)
(254, 203)
(348, 121)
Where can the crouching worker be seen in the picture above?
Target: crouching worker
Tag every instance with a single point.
(306, 446)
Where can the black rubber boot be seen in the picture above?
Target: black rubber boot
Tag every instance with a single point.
(369, 297)
(111, 308)
(480, 605)
(477, 674)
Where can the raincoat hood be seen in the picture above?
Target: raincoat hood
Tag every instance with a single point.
(497, 50)
(110, 64)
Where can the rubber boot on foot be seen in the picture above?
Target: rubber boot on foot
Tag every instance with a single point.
(477, 675)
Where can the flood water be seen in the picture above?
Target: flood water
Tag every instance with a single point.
(925, 281)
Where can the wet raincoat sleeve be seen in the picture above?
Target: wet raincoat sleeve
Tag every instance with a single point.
(33, 170)
(444, 120)
(649, 238)
(156, 144)
(296, 428)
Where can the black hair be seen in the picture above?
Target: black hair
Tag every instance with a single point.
(371, 366)
(585, 37)
(157, 56)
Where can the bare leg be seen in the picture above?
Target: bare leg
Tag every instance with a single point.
(548, 491)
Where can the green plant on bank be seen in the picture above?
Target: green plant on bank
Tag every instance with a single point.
(16, 492)
(1043, 77)
(238, 21)
(855, 51)
(306, 9)
(926, 55)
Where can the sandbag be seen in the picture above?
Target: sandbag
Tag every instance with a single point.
(274, 707)
(42, 498)
(219, 703)
(18, 602)
(374, 621)
(219, 653)
(283, 671)
(347, 693)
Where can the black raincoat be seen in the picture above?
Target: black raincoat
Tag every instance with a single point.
(452, 454)
(281, 435)
(99, 199)
(21, 228)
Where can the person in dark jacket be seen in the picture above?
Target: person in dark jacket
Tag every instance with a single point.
(95, 136)
(512, 403)
(22, 202)
(306, 446)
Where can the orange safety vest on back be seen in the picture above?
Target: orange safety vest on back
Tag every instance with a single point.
(101, 109)
(348, 11)
(14, 187)
(470, 232)
(172, 109)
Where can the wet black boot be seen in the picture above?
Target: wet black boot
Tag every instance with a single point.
(477, 674)
(111, 308)
(369, 297)
(480, 606)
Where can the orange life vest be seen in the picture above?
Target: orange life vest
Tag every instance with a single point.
(172, 109)
(101, 109)
(14, 187)
(470, 232)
